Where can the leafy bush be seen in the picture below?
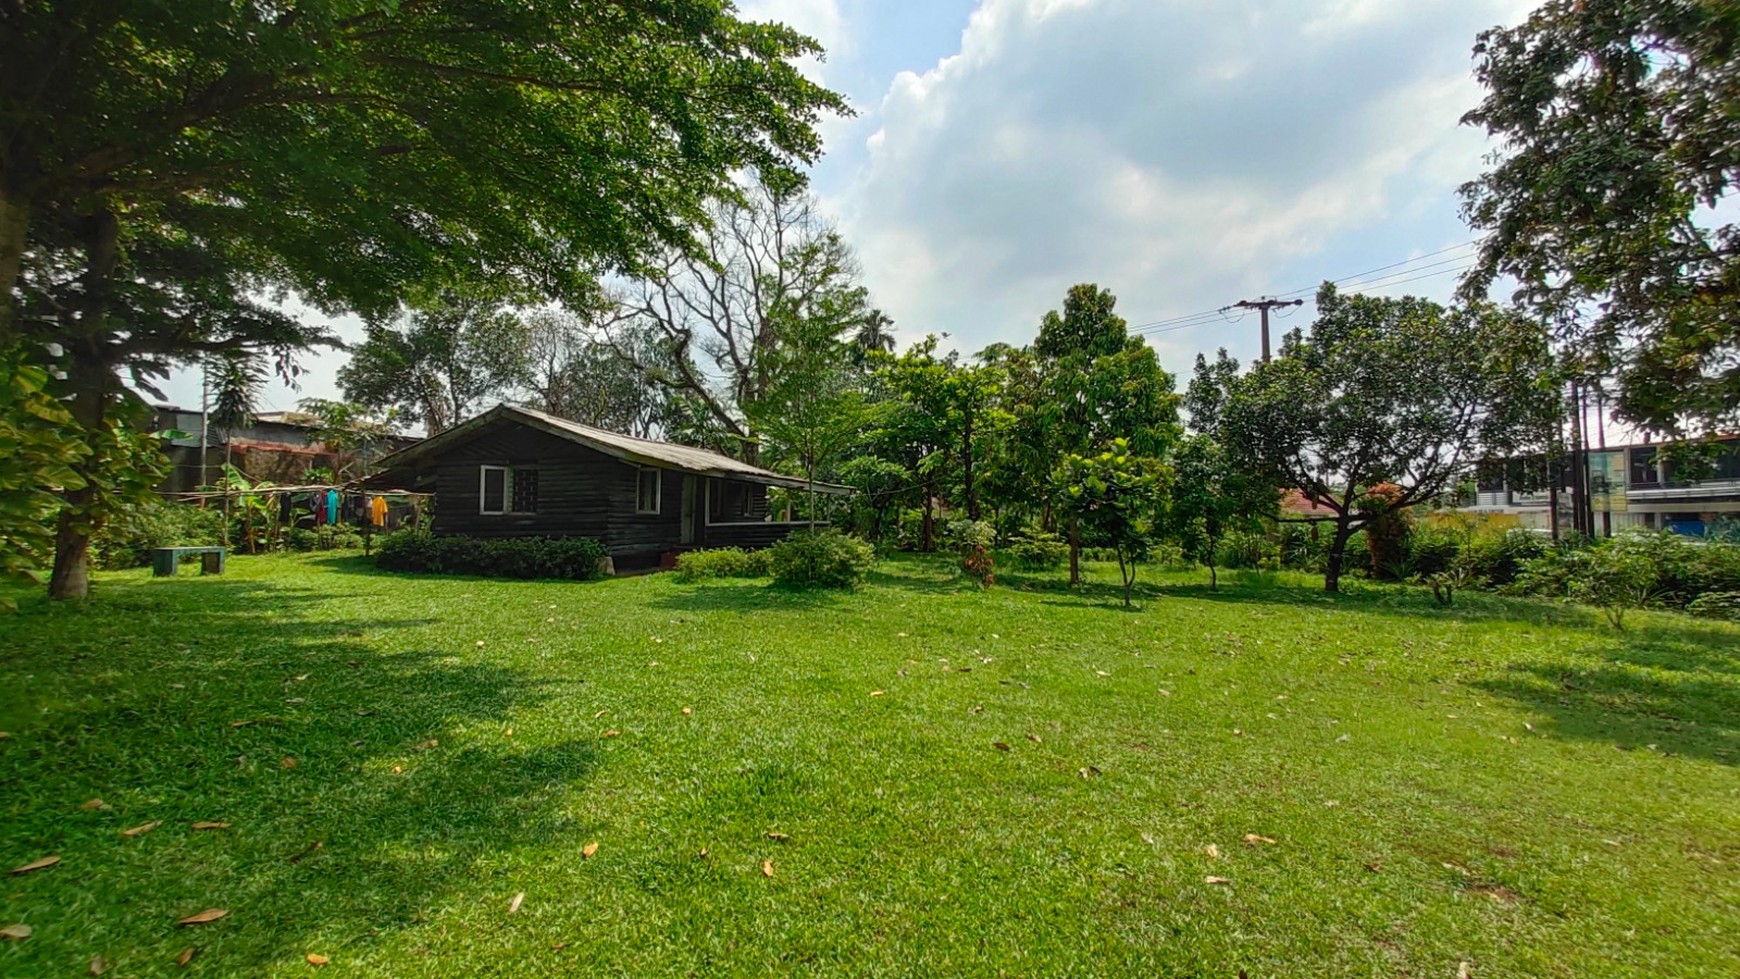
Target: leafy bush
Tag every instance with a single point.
(723, 562)
(1497, 559)
(1169, 555)
(1038, 551)
(418, 551)
(973, 540)
(821, 559)
(1616, 579)
(127, 540)
(1298, 550)
(1243, 550)
(1434, 550)
(1717, 605)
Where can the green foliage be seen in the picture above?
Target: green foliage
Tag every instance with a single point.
(1723, 605)
(1245, 550)
(1617, 129)
(974, 541)
(824, 558)
(442, 359)
(1038, 551)
(724, 562)
(1616, 580)
(39, 453)
(1211, 496)
(1117, 497)
(1434, 549)
(128, 537)
(421, 552)
(1389, 393)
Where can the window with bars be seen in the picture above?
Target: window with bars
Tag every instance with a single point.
(503, 490)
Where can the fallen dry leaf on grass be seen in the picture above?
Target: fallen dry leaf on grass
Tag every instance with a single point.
(142, 828)
(1000, 746)
(4, 735)
(425, 746)
(1465, 970)
(514, 905)
(92, 805)
(588, 850)
(185, 957)
(205, 917)
(703, 853)
(289, 763)
(209, 825)
(15, 933)
(1212, 850)
(1034, 738)
(601, 713)
(687, 711)
(316, 959)
(42, 864)
(1252, 839)
(1218, 881)
(767, 868)
(780, 837)
(878, 693)
(613, 733)
(98, 965)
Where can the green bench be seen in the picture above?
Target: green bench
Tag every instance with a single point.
(165, 560)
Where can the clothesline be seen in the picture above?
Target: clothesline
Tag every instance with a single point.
(269, 490)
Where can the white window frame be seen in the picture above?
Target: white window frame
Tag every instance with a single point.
(507, 490)
(658, 490)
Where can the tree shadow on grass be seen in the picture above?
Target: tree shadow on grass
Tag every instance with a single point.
(244, 703)
(1688, 714)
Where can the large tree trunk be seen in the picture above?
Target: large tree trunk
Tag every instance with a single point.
(1337, 555)
(14, 229)
(92, 382)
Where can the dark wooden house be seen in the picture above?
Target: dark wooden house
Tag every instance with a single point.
(516, 472)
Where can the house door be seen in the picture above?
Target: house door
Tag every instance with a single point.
(688, 530)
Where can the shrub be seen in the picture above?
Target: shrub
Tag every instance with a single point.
(1169, 555)
(973, 540)
(1717, 605)
(1241, 550)
(821, 559)
(1497, 559)
(1434, 550)
(418, 551)
(1616, 579)
(127, 539)
(1038, 551)
(723, 562)
(1298, 550)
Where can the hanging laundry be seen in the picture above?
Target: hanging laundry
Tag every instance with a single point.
(378, 511)
(332, 506)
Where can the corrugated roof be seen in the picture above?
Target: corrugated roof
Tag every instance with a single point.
(646, 452)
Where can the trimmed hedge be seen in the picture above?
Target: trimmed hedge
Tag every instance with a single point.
(821, 559)
(724, 562)
(420, 552)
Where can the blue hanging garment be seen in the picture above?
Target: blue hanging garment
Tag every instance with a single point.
(332, 506)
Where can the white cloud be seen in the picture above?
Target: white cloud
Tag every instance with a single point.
(1180, 153)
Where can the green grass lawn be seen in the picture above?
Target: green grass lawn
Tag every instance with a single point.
(1027, 781)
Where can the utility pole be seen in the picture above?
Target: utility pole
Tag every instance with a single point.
(1264, 306)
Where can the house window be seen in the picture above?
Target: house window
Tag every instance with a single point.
(502, 490)
(648, 491)
(1643, 471)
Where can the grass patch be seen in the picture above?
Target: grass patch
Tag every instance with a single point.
(1508, 784)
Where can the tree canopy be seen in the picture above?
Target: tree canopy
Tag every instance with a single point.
(1618, 141)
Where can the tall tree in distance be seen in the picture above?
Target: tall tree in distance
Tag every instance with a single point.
(441, 361)
(1390, 391)
(1617, 132)
(769, 259)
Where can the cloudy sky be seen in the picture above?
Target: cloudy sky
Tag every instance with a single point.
(1185, 154)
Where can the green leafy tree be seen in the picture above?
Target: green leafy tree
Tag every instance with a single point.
(356, 434)
(1095, 384)
(1396, 391)
(1211, 496)
(161, 163)
(1617, 134)
(1118, 496)
(442, 361)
